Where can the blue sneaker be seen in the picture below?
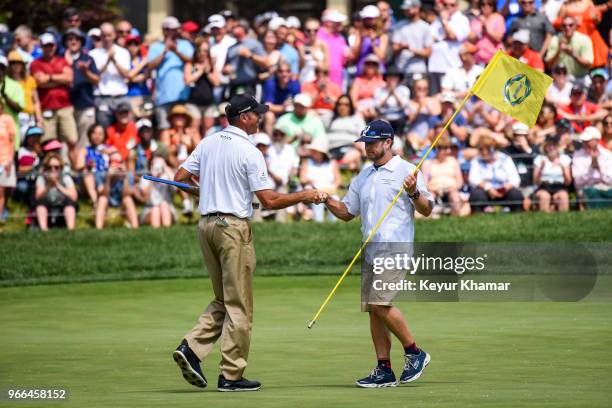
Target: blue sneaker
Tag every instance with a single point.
(415, 364)
(380, 377)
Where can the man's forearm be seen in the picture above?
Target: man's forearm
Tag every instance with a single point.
(278, 201)
(339, 209)
(423, 205)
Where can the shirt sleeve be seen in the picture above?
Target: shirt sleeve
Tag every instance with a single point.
(154, 51)
(67, 181)
(123, 58)
(192, 164)
(257, 172)
(186, 49)
(258, 49)
(422, 186)
(92, 65)
(351, 199)
(474, 178)
(513, 176)
(461, 26)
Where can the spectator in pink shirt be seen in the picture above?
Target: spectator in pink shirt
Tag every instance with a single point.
(592, 170)
(488, 31)
(337, 47)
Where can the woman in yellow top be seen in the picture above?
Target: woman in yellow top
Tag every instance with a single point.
(31, 115)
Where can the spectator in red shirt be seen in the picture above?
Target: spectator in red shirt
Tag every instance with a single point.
(53, 77)
(324, 93)
(579, 111)
(520, 50)
(123, 134)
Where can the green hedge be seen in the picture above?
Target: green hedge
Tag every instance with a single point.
(282, 249)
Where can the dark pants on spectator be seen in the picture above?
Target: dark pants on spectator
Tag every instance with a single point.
(105, 108)
(435, 82)
(597, 198)
(479, 199)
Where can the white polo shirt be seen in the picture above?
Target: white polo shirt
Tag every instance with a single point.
(230, 169)
(111, 82)
(372, 191)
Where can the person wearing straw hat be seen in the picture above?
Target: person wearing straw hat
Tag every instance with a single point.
(320, 172)
(369, 196)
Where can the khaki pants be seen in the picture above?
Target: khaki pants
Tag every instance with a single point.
(230, 258)
(60, 124)
(84, 119)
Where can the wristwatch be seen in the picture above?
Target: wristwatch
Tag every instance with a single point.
(414, 196)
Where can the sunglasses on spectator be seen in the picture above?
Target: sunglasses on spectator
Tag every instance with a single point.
(56, 167)
(608, 123)
(283, 71)
(74, 19)
(568, 25)
(344, 104)
(450, 4)
(123, 32)
(95, 38)
(420, 88)
(132, 43)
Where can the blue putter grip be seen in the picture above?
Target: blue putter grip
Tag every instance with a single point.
(169, 182)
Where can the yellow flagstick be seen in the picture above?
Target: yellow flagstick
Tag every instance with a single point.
(387, 210)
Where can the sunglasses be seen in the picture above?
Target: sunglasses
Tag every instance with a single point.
(570, 25)
(607, 123)
(133, 43)
(450, 4)
(311, 30)
(53, 167)
(123, 32)
(344, 104)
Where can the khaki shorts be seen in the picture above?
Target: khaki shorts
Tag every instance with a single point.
(60, 124)
(371, 296)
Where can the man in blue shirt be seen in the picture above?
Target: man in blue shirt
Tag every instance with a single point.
(278, 93)
(288, 52)
(168, 57)
(86, 76)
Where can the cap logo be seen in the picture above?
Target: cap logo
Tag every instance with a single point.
(248, 108)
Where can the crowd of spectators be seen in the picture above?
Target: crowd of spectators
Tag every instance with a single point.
(84, 114)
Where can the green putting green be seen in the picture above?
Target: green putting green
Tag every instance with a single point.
(110, 344)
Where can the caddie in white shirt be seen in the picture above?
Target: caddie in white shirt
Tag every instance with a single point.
(369, 195)
(230, 170)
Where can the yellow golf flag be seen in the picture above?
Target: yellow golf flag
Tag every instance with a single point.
(512, 87)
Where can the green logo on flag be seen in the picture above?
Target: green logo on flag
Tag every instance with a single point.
(517, 89)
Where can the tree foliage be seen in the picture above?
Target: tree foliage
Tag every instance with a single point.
(41, 14)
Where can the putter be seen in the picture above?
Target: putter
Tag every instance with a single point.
(171, 183)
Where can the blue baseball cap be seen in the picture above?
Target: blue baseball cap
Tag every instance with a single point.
(375, 131)
(34, 131)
